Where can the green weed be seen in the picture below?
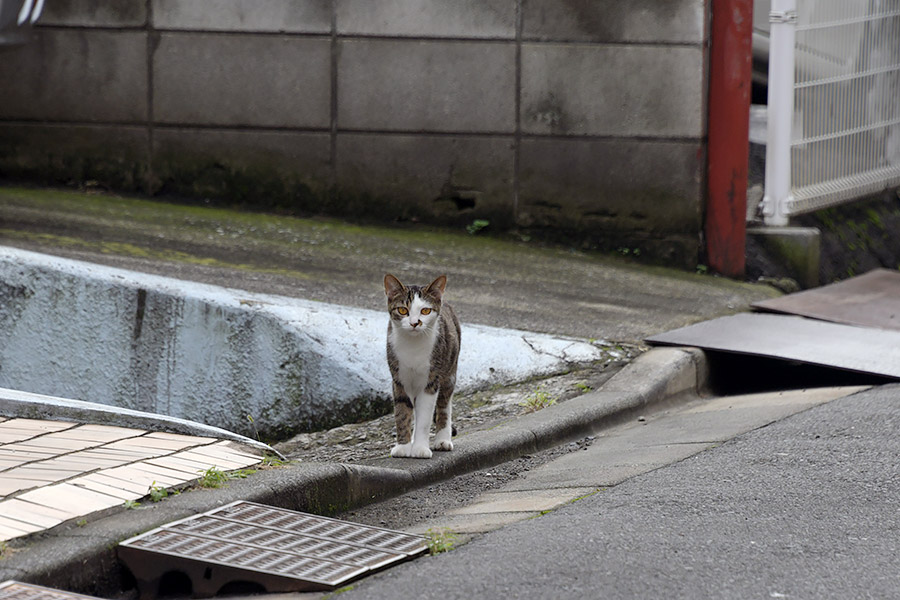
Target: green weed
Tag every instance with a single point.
(477, 225)
(440, 540)
(216, 478)
(270, 461)
(157, 493)
(132, 504)
(537, 400)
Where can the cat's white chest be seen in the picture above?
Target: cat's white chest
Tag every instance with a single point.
(413, 361)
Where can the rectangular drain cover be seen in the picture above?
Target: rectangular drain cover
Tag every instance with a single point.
(277, 549)
(16, 590)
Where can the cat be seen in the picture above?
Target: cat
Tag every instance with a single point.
(422, 352)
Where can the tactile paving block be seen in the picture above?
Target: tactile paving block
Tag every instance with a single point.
(278, 549)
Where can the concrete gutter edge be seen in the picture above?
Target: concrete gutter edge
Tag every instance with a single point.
(83, 559)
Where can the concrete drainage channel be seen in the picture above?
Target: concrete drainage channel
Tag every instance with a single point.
(258, 365)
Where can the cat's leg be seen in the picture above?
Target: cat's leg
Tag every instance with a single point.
(443, 422)
(403, 416)
(424, 414)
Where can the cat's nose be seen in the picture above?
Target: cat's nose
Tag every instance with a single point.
(416, 324)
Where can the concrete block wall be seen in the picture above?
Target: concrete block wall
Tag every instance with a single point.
(582, 120)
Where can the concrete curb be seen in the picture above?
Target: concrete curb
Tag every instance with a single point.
(82, 559)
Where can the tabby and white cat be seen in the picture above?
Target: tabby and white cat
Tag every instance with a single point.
(422, 351)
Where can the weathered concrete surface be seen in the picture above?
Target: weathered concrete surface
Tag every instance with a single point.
(504, 77)
(242, 361)
(510, 284)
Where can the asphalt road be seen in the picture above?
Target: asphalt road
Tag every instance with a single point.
(804, 508)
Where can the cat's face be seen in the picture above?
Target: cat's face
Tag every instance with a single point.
(413, 309)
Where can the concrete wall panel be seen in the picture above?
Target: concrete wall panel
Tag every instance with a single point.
(294, 16)
(595, 90)
(618, 188)
(76, 75)
(448, 178)
(114, 156)
(428, 18)
(646, 21)
(284, 170)
(95, 13)
(261, 80)
(426, 86)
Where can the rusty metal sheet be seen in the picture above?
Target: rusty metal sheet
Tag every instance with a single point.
(859, 349)
(16, 590)
(870, 300)
(280, 550)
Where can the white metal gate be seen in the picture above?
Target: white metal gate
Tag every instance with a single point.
(834, 103)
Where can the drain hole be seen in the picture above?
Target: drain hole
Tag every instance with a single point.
(463, 202)
(175, 584)
(464, 199)
(734, 374)
(207, 574)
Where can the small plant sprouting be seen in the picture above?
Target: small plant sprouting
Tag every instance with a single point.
(216, 478)
(4, 547)
(273, 462)
(583, 387)
(702, 269)
(477, 225)
(157, 492)
(213, 478)
(241, 474)
(440, 540)
(252, 422)
(132, 504)
(537, 400)
(81, 522)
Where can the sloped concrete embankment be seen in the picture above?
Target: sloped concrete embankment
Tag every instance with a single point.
(250, 363)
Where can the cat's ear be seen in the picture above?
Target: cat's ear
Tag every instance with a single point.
(392, 286)
(437, 286)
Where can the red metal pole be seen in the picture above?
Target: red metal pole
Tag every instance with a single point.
(730, 69)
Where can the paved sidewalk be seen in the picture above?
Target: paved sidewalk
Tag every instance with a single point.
(626, 451)
(54, 471)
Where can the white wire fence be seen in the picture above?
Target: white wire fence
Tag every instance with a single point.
(844, 104)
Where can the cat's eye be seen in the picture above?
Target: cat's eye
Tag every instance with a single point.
(403, 311)
(426, 311)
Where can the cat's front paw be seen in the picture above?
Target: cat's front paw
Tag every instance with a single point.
(410, 451)
(443, 445)
(420, 452)
(402, 450)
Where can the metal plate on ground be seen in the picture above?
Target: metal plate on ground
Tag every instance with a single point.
(860, 349)
(16, 590)
(280, 550)
(870, 300)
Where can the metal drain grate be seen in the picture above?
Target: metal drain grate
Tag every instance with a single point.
(278, 549)
(16, 590)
